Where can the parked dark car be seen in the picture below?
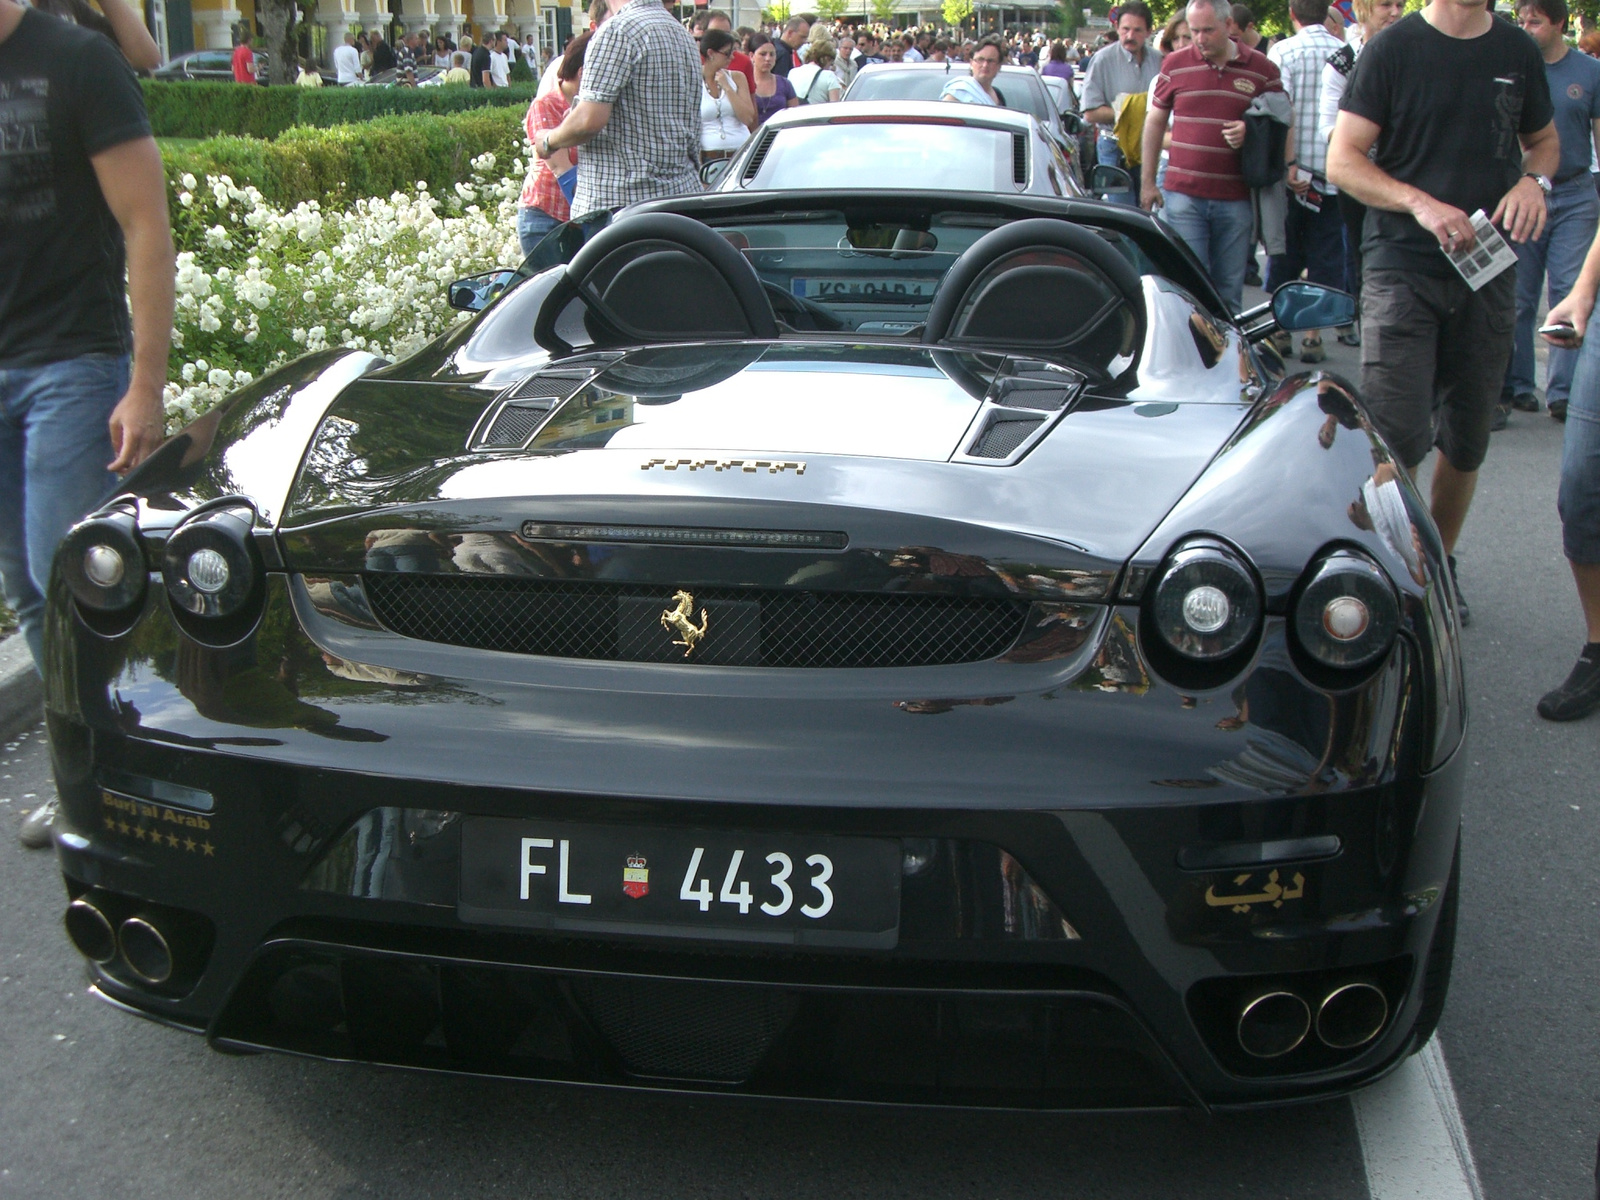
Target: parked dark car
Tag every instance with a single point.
(216, 66)
(842, 644)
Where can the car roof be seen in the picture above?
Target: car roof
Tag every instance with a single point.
(891, 112)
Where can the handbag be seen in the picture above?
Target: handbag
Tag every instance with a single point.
(1263, 158)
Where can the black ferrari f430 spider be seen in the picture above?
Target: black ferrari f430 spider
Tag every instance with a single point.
(883, 646)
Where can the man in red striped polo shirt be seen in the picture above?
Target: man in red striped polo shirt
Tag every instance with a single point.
(1204, 90)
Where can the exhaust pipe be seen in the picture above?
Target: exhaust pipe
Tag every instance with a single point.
(90, 930)
(164, 946)
(1273, 1024)
(1351, 1015)
(145, 950)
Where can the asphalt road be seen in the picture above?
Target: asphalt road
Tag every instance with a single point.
(96, 1103)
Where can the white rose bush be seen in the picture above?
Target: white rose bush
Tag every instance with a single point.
(258, 285)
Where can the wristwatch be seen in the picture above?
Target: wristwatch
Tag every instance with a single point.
(1542, 180)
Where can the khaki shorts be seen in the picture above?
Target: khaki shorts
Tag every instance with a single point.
(1433, 359)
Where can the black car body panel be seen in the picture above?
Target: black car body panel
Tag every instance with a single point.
(1086, 862)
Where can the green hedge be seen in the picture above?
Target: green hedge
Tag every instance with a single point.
(202, 110)
(335, 166)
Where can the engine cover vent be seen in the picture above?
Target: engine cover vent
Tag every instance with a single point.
(1003, 435)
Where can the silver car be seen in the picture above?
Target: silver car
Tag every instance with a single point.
(898, 145)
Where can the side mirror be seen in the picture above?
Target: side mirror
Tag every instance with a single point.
(1073, 123)
(711, 173)
(476, 292)
(1109, 181)
(1299, 305)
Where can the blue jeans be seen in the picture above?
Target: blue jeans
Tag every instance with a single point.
(1220, 233)
(1573, 211)
(1109, 153)
(1313, 243)
(1578, 499)
(54, 447)
(532, 225)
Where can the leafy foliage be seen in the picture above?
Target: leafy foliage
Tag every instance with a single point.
(777, 12)
(831, 10)
(955, 12)
(883, 11)
(338, 165)
(202, 110)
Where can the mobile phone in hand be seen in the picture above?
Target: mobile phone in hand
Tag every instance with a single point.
(1563, 335)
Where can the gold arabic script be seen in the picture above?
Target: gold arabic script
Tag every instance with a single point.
(1274, 893)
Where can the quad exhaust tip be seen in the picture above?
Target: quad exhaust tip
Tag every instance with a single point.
(90, 930)
(145, 950)
(1273, 1024)
(1351, 1015)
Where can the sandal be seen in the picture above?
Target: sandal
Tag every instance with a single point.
(1311, 350)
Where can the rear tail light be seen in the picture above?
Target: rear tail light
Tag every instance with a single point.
(1346, 613)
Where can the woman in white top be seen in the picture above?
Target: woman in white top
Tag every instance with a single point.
(727, 109)
(815, 83)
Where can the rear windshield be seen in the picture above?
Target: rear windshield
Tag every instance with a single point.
(956, 158)
(926, 85)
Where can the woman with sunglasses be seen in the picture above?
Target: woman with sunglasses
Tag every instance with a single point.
(727, 110)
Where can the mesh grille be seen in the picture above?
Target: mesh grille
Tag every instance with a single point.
(1019, 159)
(513, 425)
(1002, 437)
(685, 1030)
(743, 627)
(547, 384)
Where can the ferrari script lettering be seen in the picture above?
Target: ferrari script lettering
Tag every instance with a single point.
(748, 465)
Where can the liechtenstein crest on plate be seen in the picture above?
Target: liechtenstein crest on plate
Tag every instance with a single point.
(636, 877)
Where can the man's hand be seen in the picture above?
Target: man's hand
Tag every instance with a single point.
(1233, 133)
(1299, 183)
(1451, 226)
(1521, 211)
(138, 426)
(1574, 311)
(1149, 197)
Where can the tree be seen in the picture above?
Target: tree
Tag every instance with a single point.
(883, 11)
(777, 12)
(832, 10)
(955, 12)
(278, 18)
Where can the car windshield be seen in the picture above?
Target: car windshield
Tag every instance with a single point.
(888, 155)
(1015, 87)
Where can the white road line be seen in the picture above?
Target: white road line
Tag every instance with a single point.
(1412, 1139)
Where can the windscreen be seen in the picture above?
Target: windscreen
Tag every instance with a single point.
(956, 158)
(926, 85)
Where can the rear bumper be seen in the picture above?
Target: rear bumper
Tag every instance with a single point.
(312, 896)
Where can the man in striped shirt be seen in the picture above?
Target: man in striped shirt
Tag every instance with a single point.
(1204, 90)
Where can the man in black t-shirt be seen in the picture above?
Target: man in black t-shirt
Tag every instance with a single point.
(382, 54)
(82, 198)
(1433, 350)
(481, 64)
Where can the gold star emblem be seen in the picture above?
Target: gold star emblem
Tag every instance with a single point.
(123, 825)
(208, 848)
(111, 822)
(189, 844)
(138, 832)
(172, 840)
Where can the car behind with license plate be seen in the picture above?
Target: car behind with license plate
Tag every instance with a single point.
(854, 645)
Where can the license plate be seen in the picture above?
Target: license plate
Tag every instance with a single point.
(870, 290)
(795, 889)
